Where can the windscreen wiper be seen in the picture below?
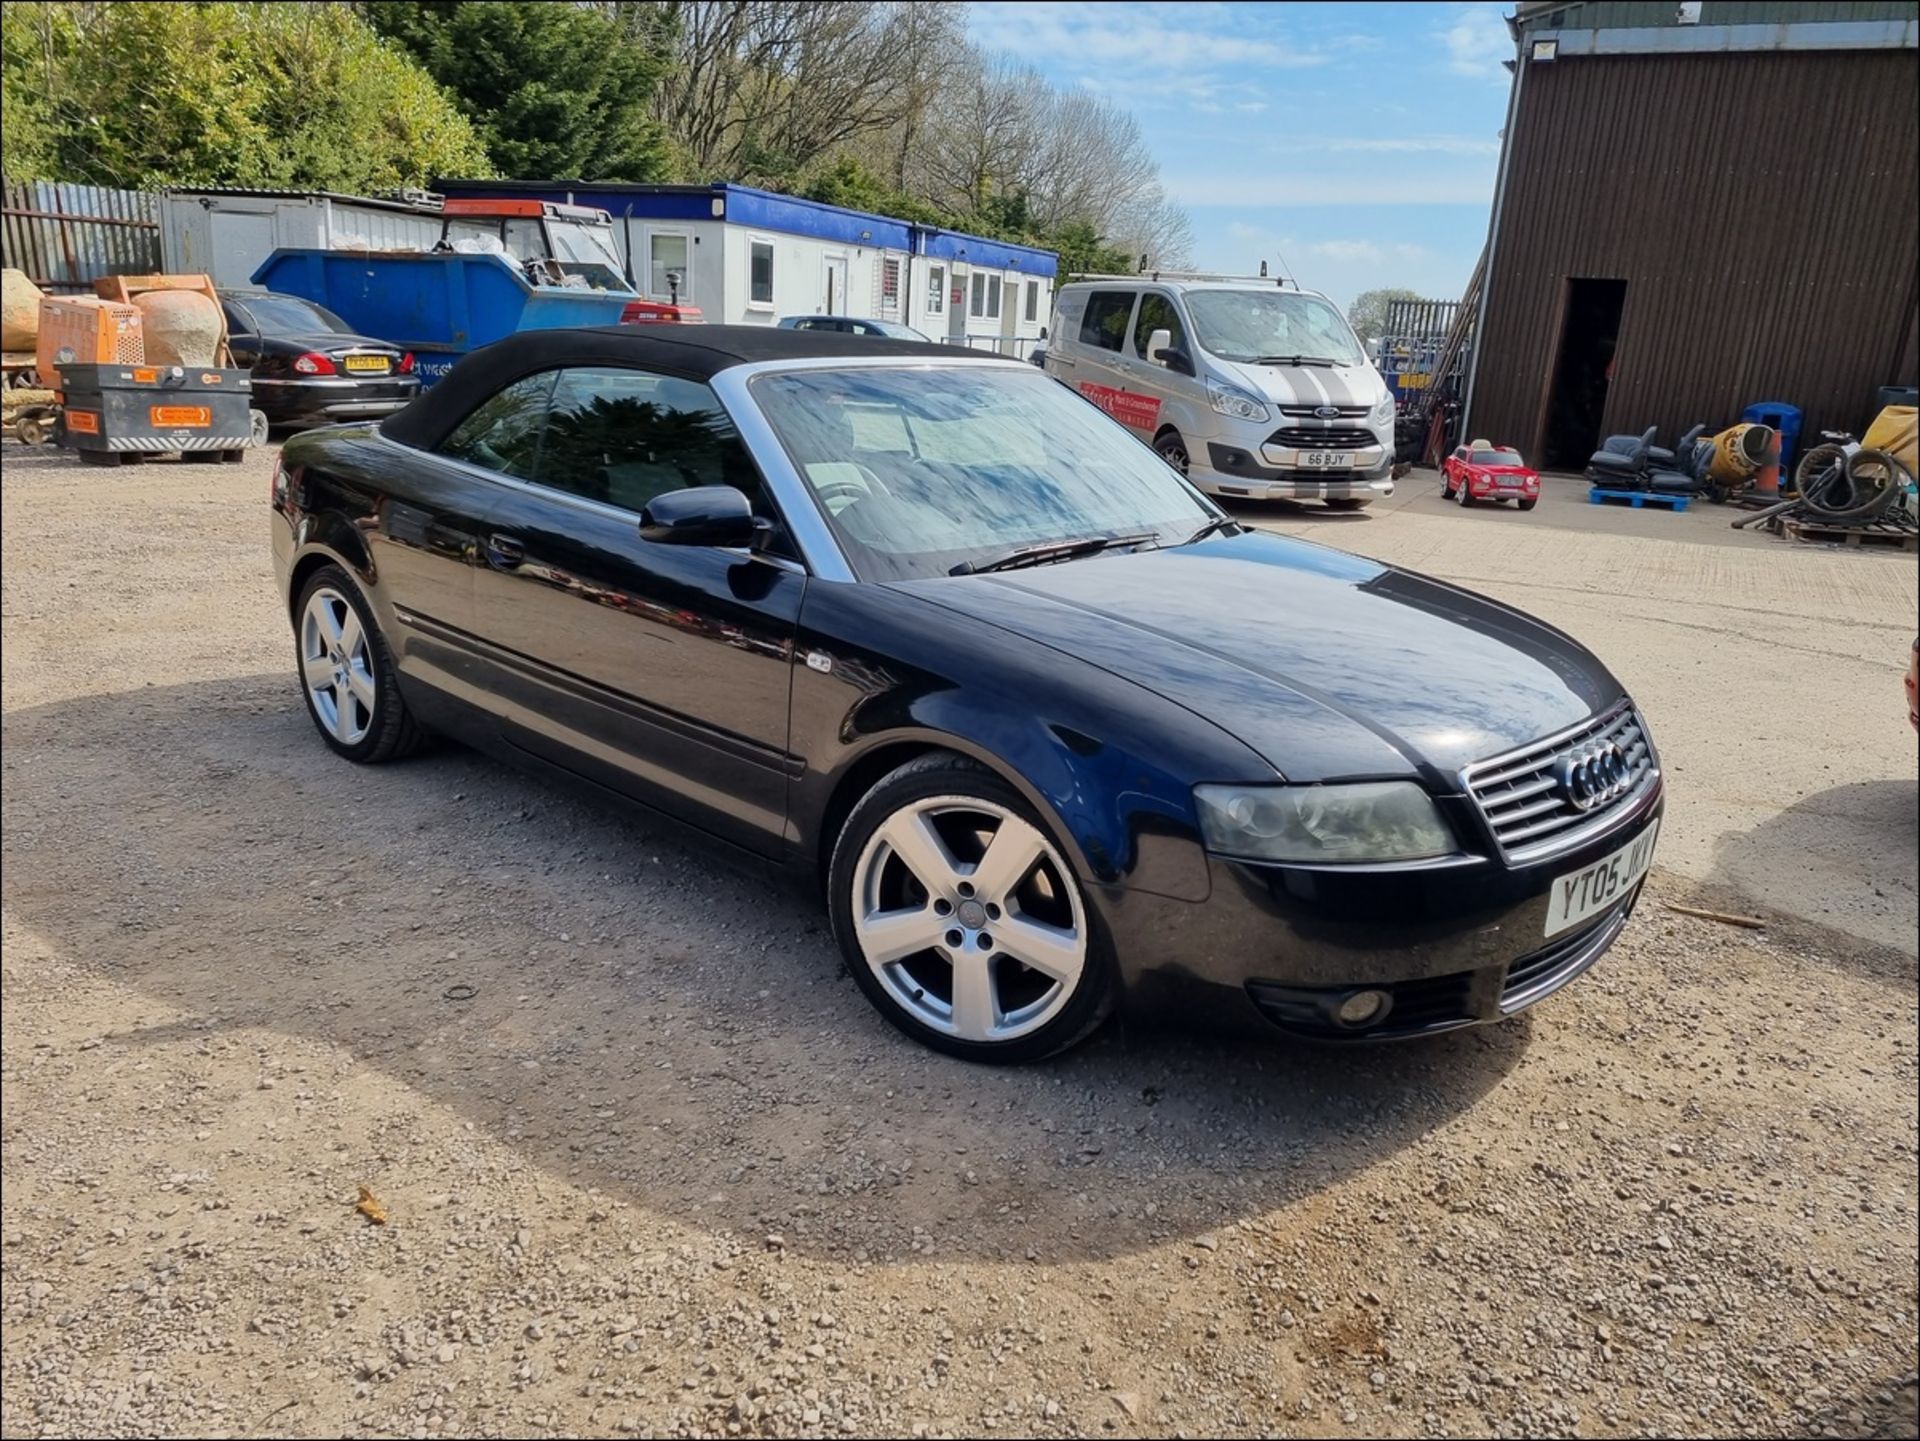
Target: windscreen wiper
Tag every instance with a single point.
(1217, 523)
(1051, 551)
(1325, 360)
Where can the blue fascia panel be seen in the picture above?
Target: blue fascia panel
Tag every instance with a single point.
(998, 254)
(790, 215)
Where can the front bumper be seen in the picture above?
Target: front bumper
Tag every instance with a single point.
(328, 400)
(1456, 942)
(1232, 470)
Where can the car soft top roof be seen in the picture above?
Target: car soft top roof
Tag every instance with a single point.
(696, 352)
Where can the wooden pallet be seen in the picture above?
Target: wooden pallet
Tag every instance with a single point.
(1638, 498)
(1875, 532)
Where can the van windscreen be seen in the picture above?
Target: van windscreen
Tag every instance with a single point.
(1274, 327)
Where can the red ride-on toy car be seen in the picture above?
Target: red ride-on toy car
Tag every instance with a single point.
(1484, 471)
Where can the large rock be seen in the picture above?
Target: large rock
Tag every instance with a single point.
(182, 327)
(20, 301)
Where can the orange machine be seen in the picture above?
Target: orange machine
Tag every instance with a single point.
(83, 330)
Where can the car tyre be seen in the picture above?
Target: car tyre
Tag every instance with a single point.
(1528, 504)
(347, 673)
(1171, 448)
(1464, 495)
(1015, 966)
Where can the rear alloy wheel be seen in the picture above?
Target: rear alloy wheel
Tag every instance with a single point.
(347, 674)
(1173, 450)
(961, 920)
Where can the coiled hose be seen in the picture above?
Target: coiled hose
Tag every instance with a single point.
(1836, 486)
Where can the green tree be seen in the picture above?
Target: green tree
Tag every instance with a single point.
(1368, 312)
(1083, 252)
(144, 93)
(555, 90)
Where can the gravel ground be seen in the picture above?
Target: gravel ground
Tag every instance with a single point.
(649, 1163)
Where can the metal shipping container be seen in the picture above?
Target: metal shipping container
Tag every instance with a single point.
(228, 234)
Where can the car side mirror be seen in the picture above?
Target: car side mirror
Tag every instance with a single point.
(1159, 342)
(715, 515)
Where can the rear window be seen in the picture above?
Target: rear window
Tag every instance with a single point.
(1105, 324)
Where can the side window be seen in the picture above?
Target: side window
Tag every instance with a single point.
(936, 290)
(1105, 323)
(760, 272)
(1033, 301)
(623, 437)
(1157, 313)
(978, 306)
(238, 321)
(503, 433)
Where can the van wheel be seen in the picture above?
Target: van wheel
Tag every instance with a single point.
(1172, 449)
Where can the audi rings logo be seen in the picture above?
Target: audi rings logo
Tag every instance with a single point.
(1591, 778)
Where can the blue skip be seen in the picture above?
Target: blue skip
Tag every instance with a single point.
(1638, 498)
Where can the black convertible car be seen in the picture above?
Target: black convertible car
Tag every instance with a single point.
(935, 635)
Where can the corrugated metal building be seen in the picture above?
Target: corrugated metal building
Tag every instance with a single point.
(1700, 206)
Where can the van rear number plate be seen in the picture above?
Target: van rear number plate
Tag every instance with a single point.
(1327, 459)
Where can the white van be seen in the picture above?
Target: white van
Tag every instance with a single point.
(1248, 387)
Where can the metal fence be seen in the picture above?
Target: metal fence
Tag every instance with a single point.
(67, 236)
(1420, 317)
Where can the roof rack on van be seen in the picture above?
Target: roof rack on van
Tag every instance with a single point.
(1282, 281)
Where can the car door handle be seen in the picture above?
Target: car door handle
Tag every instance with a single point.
(504, 552)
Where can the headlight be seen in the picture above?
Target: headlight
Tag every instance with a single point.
(1384, 411)
(1376, 821)
(1236, 403)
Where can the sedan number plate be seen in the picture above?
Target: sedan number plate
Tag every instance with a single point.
(377, 363)
(1327, 459)
(1593, 888)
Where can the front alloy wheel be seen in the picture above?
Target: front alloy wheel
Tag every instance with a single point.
(1173, 450)
(962, 921)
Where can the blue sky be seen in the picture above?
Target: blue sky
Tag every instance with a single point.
(1358, 141)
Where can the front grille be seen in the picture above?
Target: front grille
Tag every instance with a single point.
(1523, 802)
(1545, 971)
(1344, 437)
(1310, 412)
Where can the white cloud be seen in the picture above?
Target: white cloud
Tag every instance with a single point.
(1409, 251)
(1476, 42)
(1364, 251)
(1245, 189)
(1240, 230)
(1129, 35)
(1419, 144)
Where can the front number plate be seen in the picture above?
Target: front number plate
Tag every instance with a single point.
(1595, 887)
(1327, 459)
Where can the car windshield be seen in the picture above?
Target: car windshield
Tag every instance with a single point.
(290, 315)
(1495, 457)
(1271, 325)
(919, 469)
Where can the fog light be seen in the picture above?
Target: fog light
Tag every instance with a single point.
(1362, 1008)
